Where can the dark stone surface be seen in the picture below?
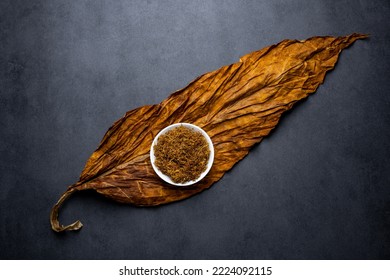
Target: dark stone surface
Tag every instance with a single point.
(317, 188)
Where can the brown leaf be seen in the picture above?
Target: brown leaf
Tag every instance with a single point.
(237, 105)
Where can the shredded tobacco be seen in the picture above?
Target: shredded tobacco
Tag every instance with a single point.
(182, 154)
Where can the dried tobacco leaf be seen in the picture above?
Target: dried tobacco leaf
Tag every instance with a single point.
(237, 105)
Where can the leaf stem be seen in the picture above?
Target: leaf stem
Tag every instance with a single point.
(55, 224)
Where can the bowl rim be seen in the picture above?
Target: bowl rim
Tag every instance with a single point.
(209, 163)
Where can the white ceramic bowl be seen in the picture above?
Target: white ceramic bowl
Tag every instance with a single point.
(209, 164)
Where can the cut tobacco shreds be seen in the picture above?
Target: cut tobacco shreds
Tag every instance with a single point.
(181, 154)
(237, 105)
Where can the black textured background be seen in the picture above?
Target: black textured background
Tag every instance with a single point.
(317, 188)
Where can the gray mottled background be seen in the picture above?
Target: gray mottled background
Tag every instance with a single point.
(317, 188)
